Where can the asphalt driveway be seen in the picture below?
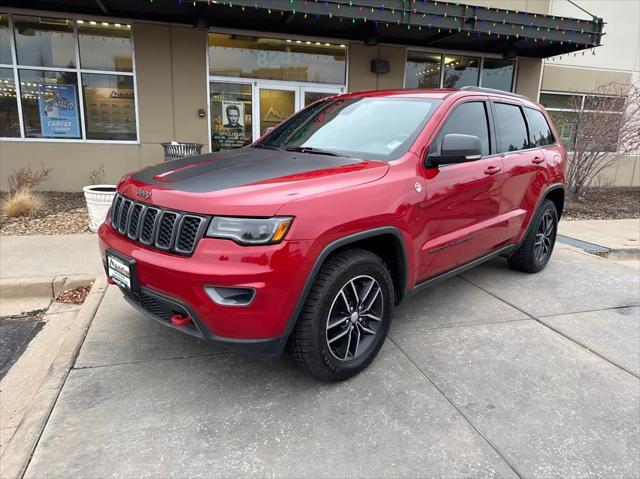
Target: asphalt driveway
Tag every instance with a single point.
(492, 374)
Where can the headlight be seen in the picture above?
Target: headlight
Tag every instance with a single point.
(250, 231)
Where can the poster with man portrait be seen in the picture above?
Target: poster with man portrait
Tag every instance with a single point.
(233, 115)
(229, 127)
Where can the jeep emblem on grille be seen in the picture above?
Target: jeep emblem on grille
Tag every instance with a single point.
(144, 193)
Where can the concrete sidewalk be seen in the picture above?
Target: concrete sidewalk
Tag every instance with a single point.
(620, 237)
(493, 374)
(49, 256)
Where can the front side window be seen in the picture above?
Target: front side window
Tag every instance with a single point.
(467, 119)
(511, 128)
(539, 130)
(375, 128)
(59, 97)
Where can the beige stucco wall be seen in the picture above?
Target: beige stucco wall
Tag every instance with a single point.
(171, 87)
(576, 79)
(360, 76)
(528, 77)
(535, 6)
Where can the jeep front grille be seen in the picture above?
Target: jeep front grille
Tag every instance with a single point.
(160, 228)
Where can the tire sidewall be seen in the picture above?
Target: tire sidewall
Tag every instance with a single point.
(547, 207)
(363, 266)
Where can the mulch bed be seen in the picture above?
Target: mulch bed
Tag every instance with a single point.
(604, 204)
(74, 296)
(64, 213)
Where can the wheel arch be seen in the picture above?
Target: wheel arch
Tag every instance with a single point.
(375, 240)
(556, 194)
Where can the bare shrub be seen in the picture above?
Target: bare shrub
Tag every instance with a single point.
(27, 179)
(607, 130)
(22, 203)
(96, 177)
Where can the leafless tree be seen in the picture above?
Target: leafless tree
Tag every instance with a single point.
(606, 130)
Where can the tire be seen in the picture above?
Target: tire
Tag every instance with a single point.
(331, 341)
(540, 238)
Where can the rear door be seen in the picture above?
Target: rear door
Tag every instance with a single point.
(462, 200)
(524, 174)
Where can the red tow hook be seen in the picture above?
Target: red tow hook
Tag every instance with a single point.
(180, 321)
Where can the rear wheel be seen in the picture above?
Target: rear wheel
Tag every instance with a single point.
(535, 251)
(346, 316)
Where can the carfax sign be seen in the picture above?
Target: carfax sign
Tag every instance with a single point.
(58, 111)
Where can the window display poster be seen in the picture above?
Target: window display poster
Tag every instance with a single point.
(231, 133)
(109, 111)
(58, 111)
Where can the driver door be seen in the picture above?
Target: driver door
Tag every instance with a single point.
(463, 199)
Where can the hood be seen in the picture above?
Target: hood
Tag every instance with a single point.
(248, 181)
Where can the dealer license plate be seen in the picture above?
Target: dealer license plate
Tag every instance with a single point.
(119, 271)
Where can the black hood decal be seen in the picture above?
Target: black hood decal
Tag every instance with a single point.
(230, 169)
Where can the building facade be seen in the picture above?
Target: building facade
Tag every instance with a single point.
(85, 87)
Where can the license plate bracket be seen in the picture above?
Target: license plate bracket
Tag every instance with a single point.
(122, 271)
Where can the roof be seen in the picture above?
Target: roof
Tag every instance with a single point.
(424, 23)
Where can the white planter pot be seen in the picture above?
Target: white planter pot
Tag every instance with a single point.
(99, 199)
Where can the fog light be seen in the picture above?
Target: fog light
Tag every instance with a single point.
(230, 296)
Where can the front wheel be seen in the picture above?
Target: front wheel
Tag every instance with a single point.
(535, 251)
(346, 316)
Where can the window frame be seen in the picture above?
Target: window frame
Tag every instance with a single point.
(582, 110)
(443, 53)
(78, 70)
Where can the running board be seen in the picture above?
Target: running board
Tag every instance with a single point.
(461, 269)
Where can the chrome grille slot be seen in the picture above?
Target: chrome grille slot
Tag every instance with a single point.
(188, 233)
(134, 222)
(166, 229)
(156, 227)
(149, 221)
(124, 215)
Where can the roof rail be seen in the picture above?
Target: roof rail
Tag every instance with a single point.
(492, 90)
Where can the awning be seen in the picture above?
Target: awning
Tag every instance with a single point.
(446, 25)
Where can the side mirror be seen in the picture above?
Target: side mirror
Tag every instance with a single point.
(457, 148)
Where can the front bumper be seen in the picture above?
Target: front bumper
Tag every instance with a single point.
(171, 284)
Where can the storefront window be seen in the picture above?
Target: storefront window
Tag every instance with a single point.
(497, 74)
(275, 106)
(9, 123)
(44, 42)
(109, 107)
(231, 115)
(460, 71)
(423, 70)
(275, 59)
(50, 104)
(313, 96)
(105, 47)
(5, 48)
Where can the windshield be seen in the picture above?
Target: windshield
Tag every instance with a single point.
(376, 128)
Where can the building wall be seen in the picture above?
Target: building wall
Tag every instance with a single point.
(617, 60)
(171, 87)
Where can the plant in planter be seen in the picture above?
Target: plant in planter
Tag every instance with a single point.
(99, 197)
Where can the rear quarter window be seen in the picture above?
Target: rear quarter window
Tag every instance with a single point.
(539, 130)
(511, 128)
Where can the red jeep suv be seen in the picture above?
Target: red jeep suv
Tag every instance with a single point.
(308, 238)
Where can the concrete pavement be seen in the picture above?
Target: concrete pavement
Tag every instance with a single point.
(49, 256)
(621, 237)
(492, 374)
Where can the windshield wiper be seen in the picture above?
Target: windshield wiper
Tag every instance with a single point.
(315, 151)
(267, 147)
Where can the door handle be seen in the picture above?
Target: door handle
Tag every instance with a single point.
(537, 159)
(492, 170)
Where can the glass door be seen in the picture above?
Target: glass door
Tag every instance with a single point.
(231, 110)
(276, 103)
